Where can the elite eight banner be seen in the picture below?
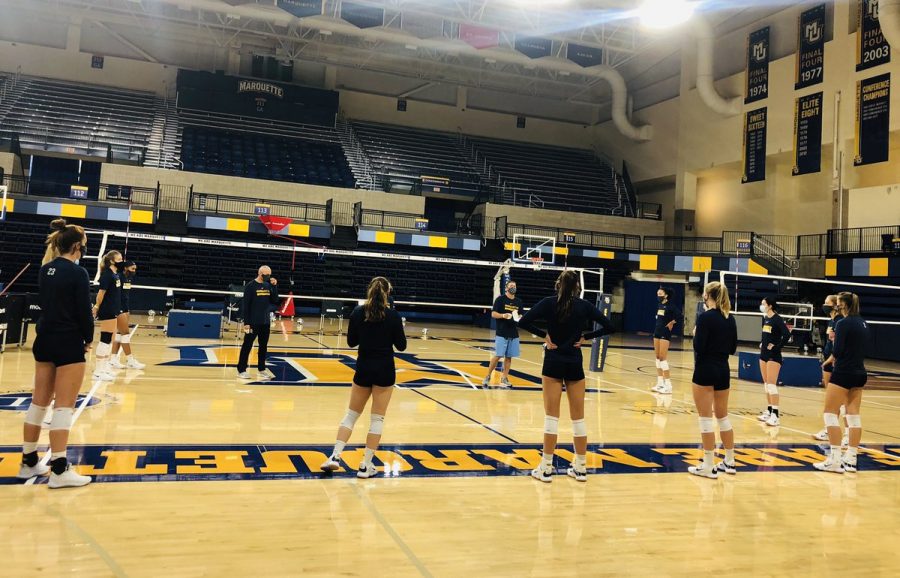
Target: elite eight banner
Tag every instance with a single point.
(808, 134)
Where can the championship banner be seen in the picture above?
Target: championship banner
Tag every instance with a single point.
(810, 48)
(754, 157)
(301, 8)
(479, 36)
(871, 47)
(362, 16)
(584, 55)
(757, 66)
(808, 134)
(533, 47)
(873, 120)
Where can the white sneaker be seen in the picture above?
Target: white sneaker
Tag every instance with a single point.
(28, 472)
(367, 471)
(504, 383)
(845, 440)
(543, 474)
(245, 375)
(724, 467)
(103, 376)
(68, 479)
(830, 465)
(773, 420)
(579, 475)
(849, 462)
(486, 382)
(265, 375)
(331, 464)
(665, 390)
(764, 416)
(116, 364)
(134, 364)
(656, 387)
(822, 436)
(704, 471)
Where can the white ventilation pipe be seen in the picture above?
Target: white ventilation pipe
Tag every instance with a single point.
(610, 75)
(705, 81)
(889, 18)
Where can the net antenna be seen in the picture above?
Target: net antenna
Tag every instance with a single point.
(4, 193)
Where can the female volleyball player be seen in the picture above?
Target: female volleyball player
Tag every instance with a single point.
(107, 309)
(851, 337)
(715, 340)
(775, 335)
(64, 334)
(567, 317)
(666, 318)
(830, 309)
(123, 333)
(377, 329)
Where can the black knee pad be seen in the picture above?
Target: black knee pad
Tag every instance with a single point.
(106, 337)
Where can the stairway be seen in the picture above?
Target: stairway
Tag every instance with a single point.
(10, 93)
(165, 136)
(359, 161)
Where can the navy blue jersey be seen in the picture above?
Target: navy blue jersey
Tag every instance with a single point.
(565, 333)
(376, 339)
(774, 331)
(260, 299)
(65, 298)
(126, 290)
(828, 349)
(507, 327)
(111, 305)
(665, 314)
(851, 338)
(716, 336)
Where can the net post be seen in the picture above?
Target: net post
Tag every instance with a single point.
(600, 345)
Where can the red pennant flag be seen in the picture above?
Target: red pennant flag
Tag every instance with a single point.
(274, 224)
(287, 309)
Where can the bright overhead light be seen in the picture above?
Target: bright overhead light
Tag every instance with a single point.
(660, 14)
(411, 47)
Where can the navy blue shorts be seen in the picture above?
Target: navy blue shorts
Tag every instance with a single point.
(712, 374)
(848, 380)
(58, 348)
(568, 371)
(663, 333)
(771, 355)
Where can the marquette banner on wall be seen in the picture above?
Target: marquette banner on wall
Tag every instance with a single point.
(584, 55)
(361, 15)
(757, 66)
(871, 47)
(533, 47)
(808, 134)
(873, 120)
(810, 47)
(755, 124)
(301, 8)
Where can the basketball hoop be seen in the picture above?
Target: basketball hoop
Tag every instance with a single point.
(537, 263)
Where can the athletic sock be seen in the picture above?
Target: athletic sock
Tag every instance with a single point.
(30, 459)
(770, 409)
(775, 410)
(580, 462)
(729, 455)
(708, 458)
(547, 461)
(29, 447)
(338, 448)
(667, 382)
(851, 452)
(369, 454)
(836, 453)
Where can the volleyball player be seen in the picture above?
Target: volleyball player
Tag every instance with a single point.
(830, 309)
(851, 337)
(666, 318)
(775, 335)
(123, 333)
(260, 297)
(714, 341)
(107, 310)
(567, 316)
(377, 329)
(506, 342)
(65, 331)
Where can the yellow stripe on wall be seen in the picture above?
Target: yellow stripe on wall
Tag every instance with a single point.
(510, 246)
(237, 225)
(138, 216)
(702, 264)
(298, 230)
(754, 267)
(878, 267)
(606, 255)
(439, 242)
(75, 211)
(830, 267)
(385, 237)
(10, 205)
(561, 250)
(649, 262)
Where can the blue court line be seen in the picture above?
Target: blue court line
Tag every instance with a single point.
(472, 419)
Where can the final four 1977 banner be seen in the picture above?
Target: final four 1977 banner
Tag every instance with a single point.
(810, 47)
(755, 128)
(757, 66)
(873, 120)
(871, 47)
(808, 134)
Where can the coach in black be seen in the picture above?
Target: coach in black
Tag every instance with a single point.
(260, 299)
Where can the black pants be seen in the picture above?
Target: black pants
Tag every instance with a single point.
(260, 332)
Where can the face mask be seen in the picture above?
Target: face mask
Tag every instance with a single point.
(660, 299)
(118, 265)
(827, 309)
(763, 309)
(511, 290)
(266, 278)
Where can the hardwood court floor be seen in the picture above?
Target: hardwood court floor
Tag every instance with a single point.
(199, 474)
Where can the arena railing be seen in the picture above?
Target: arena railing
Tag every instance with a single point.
(862, 240)
(689, 245)
(229, 205)
(104, 193)
(597, 239)
(814, 245)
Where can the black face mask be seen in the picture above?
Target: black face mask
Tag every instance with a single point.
(118, 265)
(266, 278)
(827, 309)
(660, 299)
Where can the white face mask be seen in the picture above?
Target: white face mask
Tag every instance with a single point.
(763, 309)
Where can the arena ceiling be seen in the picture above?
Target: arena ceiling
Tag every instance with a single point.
(417, 53)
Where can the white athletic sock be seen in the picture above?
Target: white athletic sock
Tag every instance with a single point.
(851, 452)
(338, 448)
(369, 454)
(547, 460)
(29, 447)
(668, 382)
(102, 364)
(580, 462)
(836, 452)
(729, 455)
(57, 455)
(708, 458)
(130, 357)
(659, 380)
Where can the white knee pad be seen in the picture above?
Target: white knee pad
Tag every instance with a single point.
(35, 415)
(771, 389)
(103, 349)
(854, 421)
(551, 425)
(664, 365)
(349, 419)
(376, 424)
(125, 339)
(658, 362)
(579, 430)
(707, 424)
(62, 418)
(831, 420)
(724, 424)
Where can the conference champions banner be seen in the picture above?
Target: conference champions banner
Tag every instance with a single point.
(871, 47)
(808, 134)
(754, 157)
(873, 120)
(757, 66)
(810, 48)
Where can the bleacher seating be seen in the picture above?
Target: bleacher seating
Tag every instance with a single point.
(261, 156)
(401, 156)
(563, 179)
(82, 119)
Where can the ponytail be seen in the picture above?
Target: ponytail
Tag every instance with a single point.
(377, 299)
(61, 240)
(719, 293)
(850, 301)
(567, 289)
(108, 259)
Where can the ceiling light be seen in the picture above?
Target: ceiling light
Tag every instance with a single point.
(325, 32)
(490, 61)
(412, 47)
(659, 14)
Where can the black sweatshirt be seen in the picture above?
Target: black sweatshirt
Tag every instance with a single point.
(665, 314)
(716, 337)
(851, 338)
(828, 349)
(774, 331)
(564, 334)
(65, 298)
(376, 339)
(111, 305)
(258, 302)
